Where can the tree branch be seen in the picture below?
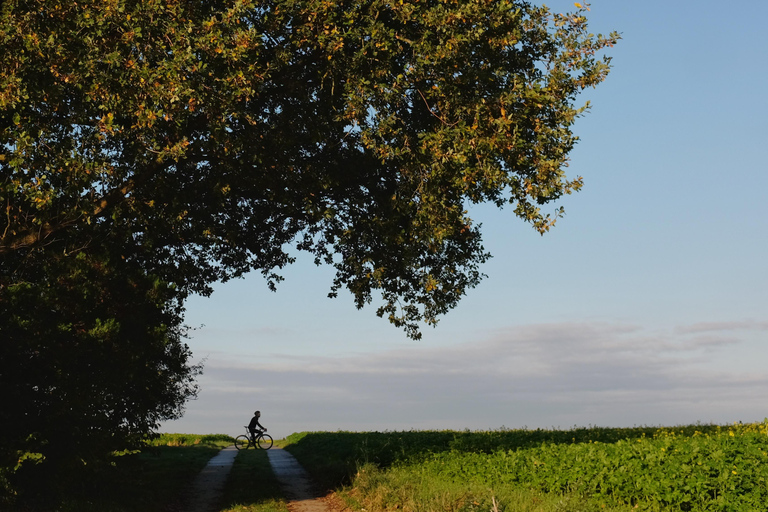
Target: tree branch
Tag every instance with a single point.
(38, 234)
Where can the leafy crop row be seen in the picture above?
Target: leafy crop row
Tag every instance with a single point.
(697, 467)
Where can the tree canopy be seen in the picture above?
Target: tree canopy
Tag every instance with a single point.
(151, 148)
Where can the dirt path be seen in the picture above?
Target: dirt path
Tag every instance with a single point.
(298, 487)
(206, 490)
(301, 492)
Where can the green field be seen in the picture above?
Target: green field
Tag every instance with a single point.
(689, 468)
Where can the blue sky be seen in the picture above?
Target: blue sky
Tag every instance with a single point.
(647, 304)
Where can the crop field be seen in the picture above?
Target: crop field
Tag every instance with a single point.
(685, 468)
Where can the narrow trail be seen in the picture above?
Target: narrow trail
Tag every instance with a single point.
(206, 490)
(299, 489)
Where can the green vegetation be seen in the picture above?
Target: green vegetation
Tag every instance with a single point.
(252, 487)
(148, 480)
(691, 468)
(695, 468)
(149, 149)
(216, 440)
(376, 489)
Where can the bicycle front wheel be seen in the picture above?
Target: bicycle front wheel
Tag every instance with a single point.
(242, 442)
(264, 442)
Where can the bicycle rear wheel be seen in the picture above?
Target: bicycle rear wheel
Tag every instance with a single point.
(242, 442)
(264, 442)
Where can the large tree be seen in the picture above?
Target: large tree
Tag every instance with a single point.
(173, 144)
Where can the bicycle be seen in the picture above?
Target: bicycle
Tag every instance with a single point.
(260, 440)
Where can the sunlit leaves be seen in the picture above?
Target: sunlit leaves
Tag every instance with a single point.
(149, 149)
(359, 131)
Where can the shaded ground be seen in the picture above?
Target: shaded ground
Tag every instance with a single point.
(299, 489)
(301, 492)
(205, 493)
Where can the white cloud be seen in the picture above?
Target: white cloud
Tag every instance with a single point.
(723, 326)
(537, 376)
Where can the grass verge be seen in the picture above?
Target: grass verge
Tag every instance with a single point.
(404, 489)
(251, 486)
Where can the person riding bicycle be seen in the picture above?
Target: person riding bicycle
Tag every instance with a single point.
(255, 423)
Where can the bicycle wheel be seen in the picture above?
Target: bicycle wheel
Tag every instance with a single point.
(242, 442)
(264, 442)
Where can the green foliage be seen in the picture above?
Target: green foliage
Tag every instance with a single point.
(339, 454)
(91, 360)
(149, 149)
(203, 140)
(398, 488)
(215, 440)
(697, 468)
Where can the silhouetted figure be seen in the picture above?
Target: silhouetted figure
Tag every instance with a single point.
(252, 426)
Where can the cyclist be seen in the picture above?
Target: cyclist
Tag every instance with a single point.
(255, 423)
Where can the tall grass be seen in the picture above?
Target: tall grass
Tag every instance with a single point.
(375, 489)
